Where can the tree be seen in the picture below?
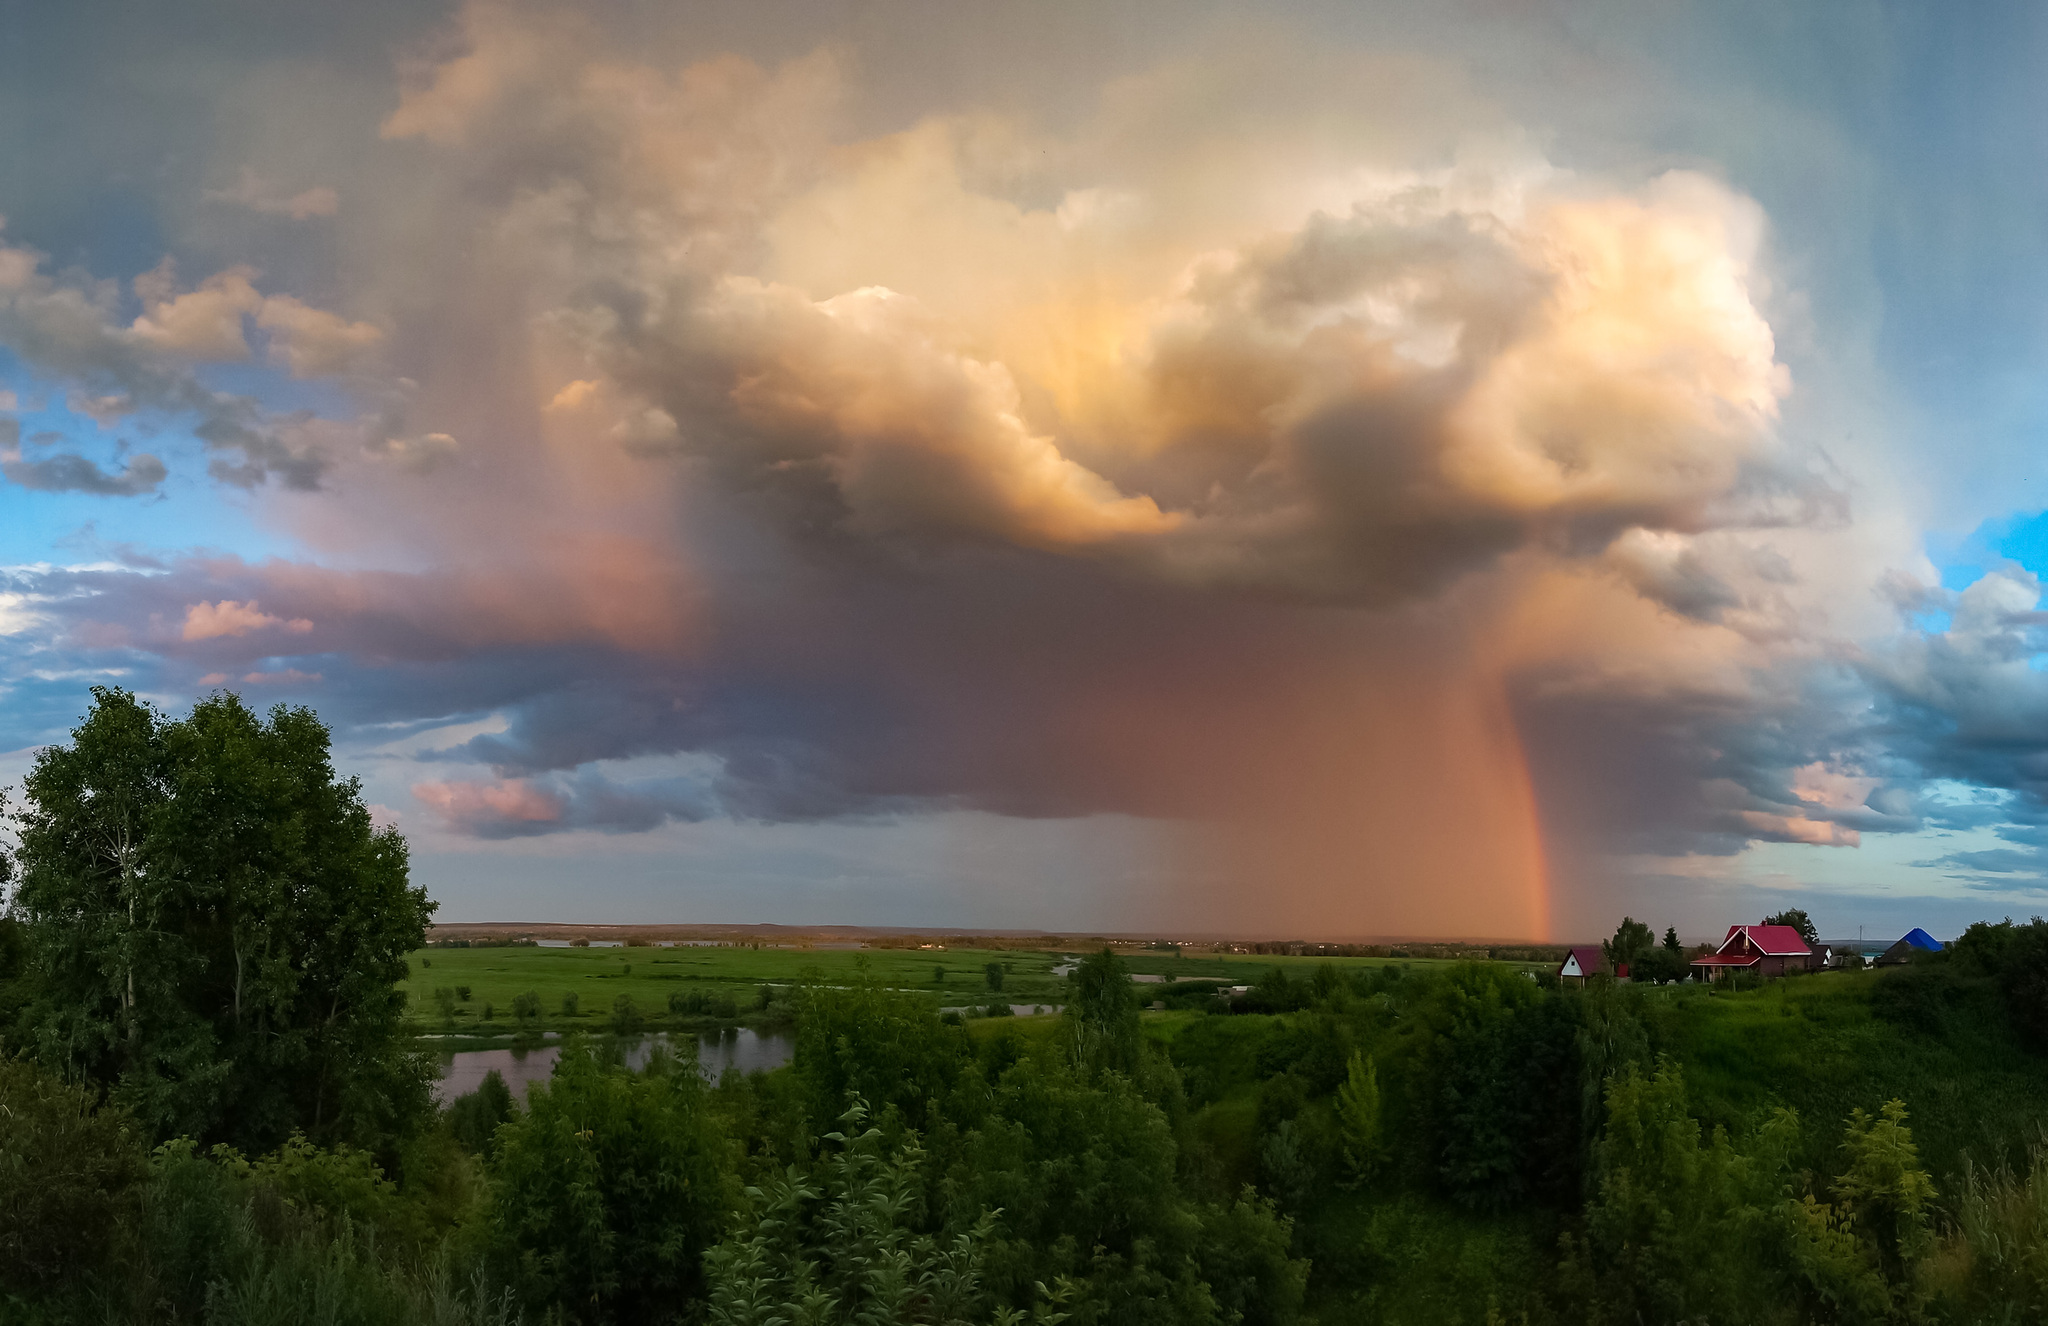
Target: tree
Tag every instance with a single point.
(842, 1245)
(609, 1188)
(886, 1046)
(993, 974)
(1671, 944)
(1101, 1019)
(1358, 1116)
(1632, 939)
(216, 930)
(1798, 920)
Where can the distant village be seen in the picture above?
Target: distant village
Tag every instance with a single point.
(1779, 946)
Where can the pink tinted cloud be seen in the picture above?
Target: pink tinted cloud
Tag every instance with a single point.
(229, 617)
(471, 807)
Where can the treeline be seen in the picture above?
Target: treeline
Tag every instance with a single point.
(1442, 1145)
(899, 1172)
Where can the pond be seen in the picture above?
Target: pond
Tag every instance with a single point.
(462, 1071)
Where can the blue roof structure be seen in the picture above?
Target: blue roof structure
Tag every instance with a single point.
(1918, 938)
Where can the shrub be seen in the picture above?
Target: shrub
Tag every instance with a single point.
(625, 1016)
(526, 1007)
(568, 1005)
(69, 1175)
(608, 1190)
(842, 1245)
(474, 1118)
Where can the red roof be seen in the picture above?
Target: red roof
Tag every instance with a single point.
(1775, 940)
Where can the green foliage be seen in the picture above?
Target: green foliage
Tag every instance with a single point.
(1993, 1266)
(215, 928)
(843, 1245)
(696, 1003)
(1798, 920)
(2016, 958)
(1632, 940)
(1884, 1192)
(1085, 1171)
(526, 1007)
(69, 1175)
(608, 1190)
(993, 975)
(569, 1005)
(884, 1046)
(1101, 1018)
(473, 1119)
(1359, 1119)
(626, 1020)
(1685, 1228)
(223, 1241)
(1679, 1224)
(1508, 1068)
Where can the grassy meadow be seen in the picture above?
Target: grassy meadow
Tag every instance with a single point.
(954, 977)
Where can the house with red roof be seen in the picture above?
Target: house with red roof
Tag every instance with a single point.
(1580, 962)
(1760, 950)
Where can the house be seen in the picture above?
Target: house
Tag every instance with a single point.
(1914, 941)
(1582, 961)
(1760, 950)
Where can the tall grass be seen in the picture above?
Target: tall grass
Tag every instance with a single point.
(1992, 1265)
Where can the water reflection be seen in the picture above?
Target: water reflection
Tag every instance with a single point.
(742, 1048)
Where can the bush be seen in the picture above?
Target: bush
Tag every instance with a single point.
(882, 1045)
(625, 1016)
(993, 975)
(843, 1244)
(526, 1007)
(473, 1119)
(568, 1005)
(69, 1175)
(609, 1189)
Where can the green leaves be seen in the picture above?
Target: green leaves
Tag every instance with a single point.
(845, 1245)
(216, 928)
(1101, 1017)
(1359, 1117)
(609, 1189)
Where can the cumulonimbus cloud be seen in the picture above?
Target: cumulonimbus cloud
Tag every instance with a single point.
(1419, 513)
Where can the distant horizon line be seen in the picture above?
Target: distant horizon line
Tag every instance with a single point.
(684, 930)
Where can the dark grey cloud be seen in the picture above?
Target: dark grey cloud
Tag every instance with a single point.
(68, 472)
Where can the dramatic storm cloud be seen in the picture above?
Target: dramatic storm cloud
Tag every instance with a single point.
(1300, 481)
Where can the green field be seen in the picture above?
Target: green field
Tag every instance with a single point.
(598, 976)
(494, 976)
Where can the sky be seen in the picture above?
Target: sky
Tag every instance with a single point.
(1333, 471)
